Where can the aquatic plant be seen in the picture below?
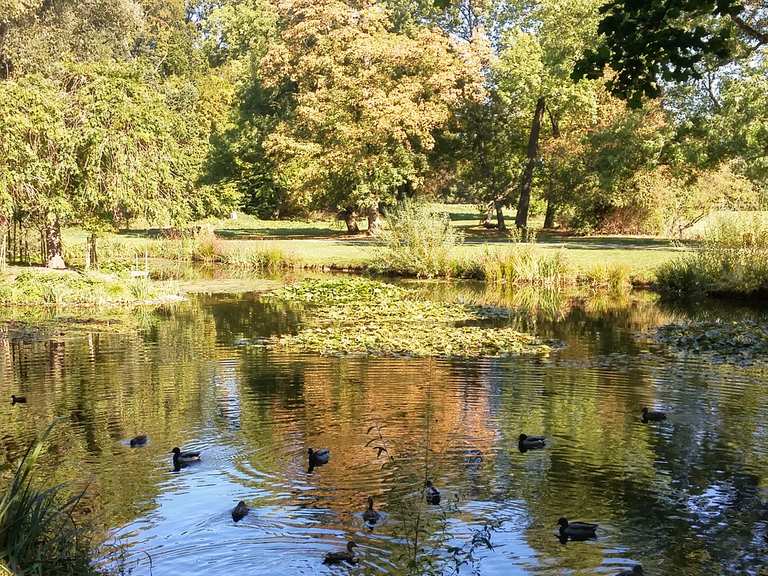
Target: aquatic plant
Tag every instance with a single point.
(743, 343)
(38, 535)
(362, 316)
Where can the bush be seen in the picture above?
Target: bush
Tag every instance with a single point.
(37, 533)
(418, 241)
(733, 258)
(522, 265)
(263, 258)
(616, 277)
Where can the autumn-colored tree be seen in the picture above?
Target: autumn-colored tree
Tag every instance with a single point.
(365, 104)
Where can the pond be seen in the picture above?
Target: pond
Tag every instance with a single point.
(688, 496)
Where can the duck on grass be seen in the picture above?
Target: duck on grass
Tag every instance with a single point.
(368, 317)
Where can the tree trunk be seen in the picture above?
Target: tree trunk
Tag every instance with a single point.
(55, 258)
(500, 222)
(487, 216)
(374, 221)
(91, 258)
(350, 218)
(524, 203)
(4, 235)
(549, 217)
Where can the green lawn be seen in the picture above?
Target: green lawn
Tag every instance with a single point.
(325, 242)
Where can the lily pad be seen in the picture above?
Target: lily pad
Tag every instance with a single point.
(362, 316)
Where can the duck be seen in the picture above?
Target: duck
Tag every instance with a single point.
(181, 459)
(636, 570)
(577, 530)
(240, 511)
(318, 457)
(653, 415)
(525, 442)
(347, 555)
(370, 515)
(432, 494)
(140, 440)
(18, 399)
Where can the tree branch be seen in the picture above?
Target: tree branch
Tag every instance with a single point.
(749, 30)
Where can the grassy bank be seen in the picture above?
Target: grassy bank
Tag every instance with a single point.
(248, 244)
(57, 288)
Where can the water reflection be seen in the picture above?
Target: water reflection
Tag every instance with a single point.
(685, 496)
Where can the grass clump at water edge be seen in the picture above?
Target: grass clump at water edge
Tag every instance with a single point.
(72, 288)
(38, 535)
(362, 316)
(418, 241)
(733, 259)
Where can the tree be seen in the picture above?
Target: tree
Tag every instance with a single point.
(365, 104)
(37, 160)
(655, 41)
(538, 53)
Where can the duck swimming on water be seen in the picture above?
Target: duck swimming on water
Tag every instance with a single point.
(181, 459)
(347, 555)
(525, 443)
(240, 511)
(577, 530)
(653, 415)
(18, 400)
(371, 516)
(140, 440)
(431, 493)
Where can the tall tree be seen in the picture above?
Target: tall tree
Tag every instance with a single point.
(365, 104)
(538, 53)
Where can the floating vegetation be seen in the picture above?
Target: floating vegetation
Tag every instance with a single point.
(743, 343)
(361, 316)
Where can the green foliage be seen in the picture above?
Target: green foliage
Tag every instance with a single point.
(262, 258)
(59, 289)
(362, 104)
(648, 43)
(732, 259)
(523, 265)
(37, 533)
(417, 242)
(359, 316)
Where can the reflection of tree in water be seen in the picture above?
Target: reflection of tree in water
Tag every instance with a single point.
(682, 496)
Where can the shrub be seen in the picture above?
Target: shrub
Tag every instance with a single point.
(262, 258)
(522, 265)
(418, 241)
(733, 258)
(614, 277)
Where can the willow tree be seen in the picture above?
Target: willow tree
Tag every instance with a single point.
(365, 104)
(37, 160)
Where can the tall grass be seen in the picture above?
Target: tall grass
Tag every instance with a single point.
(261, 258)
(418, 241)
(522, 265)
(733, 259)
(38, 535)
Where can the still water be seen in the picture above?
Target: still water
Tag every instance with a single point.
(684, 497)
